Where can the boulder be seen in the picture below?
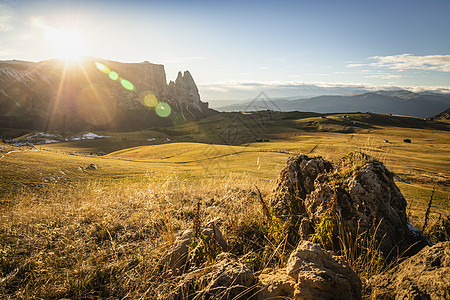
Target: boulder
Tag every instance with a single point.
(91, 167)
(422, 276)
(177, 256)
(320, 275)
(227, 278)
(276, 285)
(359, 189)
(311, 273)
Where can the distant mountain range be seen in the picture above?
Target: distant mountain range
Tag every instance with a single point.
(400, 102)
(95, 94)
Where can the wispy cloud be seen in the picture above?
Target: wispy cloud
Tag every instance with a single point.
(404, 62)
(280, 60)
(384, 76)
(5, 18)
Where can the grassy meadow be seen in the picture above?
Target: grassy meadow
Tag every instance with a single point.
(71, 232)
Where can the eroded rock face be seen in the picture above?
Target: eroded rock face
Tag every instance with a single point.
(423, 276)
(361, 189)
(183, 94)
(295, 182)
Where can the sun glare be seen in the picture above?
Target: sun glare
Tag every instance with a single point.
(68, 45)
(64, 43)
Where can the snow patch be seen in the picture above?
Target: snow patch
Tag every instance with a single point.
(42, 135)
(88, 136)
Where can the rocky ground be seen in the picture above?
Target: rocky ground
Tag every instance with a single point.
(345, 230)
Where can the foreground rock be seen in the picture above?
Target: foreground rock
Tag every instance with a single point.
(276, 285)
(311, 273)
(227, 278)
(176, 259)
(423, 276)
(359, 190)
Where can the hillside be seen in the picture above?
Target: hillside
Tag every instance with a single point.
(445, 115)
(100, 212)
(95, 94)
(399, 102)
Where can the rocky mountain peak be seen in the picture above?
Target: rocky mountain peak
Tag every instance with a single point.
(94, 94)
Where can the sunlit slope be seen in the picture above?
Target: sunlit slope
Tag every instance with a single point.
(180, 152)
(193, 161)
(425, 160)
(261, 142)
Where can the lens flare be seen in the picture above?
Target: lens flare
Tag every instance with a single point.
(178, 119)
(113, 75)
(163, 109)
(94, 109)
(102, 68)
(150, 100)
(126, 84)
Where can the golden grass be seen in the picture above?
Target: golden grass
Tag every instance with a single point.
(105, 239)
(68, 232)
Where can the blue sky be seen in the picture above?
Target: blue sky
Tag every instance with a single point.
(246, 44)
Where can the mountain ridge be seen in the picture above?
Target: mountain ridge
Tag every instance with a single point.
(401, 102)
(95, 94)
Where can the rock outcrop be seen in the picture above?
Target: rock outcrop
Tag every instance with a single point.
(423, 276)
(359, 190)
(95, 94)
(311, 273)
(184, 94)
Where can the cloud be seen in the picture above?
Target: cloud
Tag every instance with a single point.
(5, 18)
(280, 60)
(384, 76)
(239, 90)
(404, 62)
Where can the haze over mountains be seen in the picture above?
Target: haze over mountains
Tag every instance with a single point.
(95, 94)
(401, 102)
(101, 94)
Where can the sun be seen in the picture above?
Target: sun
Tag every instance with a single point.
(66, 44)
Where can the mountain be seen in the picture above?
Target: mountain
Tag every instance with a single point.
(399, 102)
(95, 94)
(445, 115)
